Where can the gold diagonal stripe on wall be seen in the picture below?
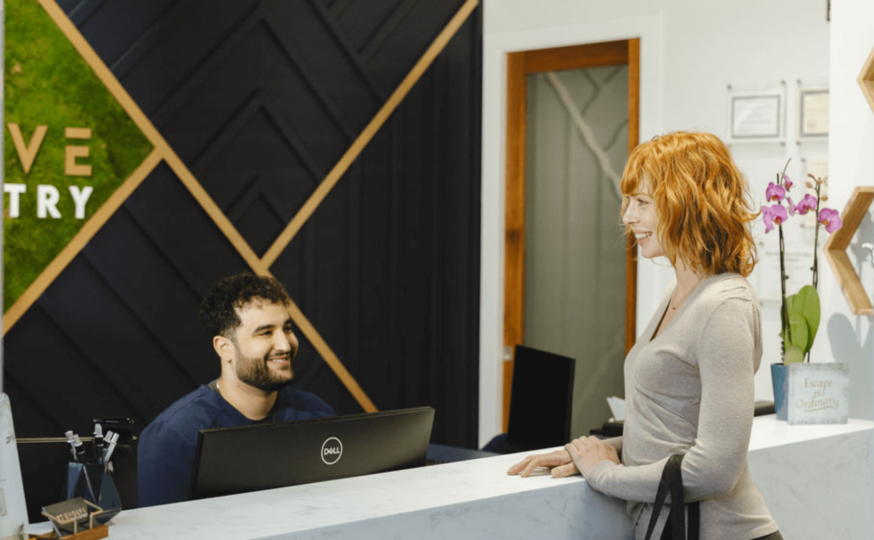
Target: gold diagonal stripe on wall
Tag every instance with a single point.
(162, 150)
(310, 206)
(152, 134)
(330, 358)
(318, 343)
(94, 224)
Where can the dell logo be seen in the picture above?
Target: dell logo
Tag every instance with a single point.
(332, 450)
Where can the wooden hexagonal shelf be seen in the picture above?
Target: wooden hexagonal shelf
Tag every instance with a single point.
(835, 248)
(866, 79)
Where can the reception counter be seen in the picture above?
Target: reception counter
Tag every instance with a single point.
(817, 481)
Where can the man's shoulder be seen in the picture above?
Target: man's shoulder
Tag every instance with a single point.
(198, 407)
(302, 404)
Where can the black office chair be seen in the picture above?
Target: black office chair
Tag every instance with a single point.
(541, 402)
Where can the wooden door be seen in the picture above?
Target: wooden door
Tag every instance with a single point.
(520, 66)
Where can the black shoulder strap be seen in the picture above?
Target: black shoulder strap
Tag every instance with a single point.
(672, 480)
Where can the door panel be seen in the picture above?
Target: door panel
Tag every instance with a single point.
(570, 275)
(577, 123)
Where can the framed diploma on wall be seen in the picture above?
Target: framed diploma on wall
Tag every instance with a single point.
(812, 113)
(757, 116)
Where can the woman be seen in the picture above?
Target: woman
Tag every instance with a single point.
(689, 378)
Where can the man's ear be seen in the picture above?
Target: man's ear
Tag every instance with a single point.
(223, 347)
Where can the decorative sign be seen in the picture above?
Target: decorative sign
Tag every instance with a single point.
(73, 516)
(818, 393)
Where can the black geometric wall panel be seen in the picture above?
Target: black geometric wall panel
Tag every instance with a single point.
(260, 99)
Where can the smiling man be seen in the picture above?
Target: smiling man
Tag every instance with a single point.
(247, 318)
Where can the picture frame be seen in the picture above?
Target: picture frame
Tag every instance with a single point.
(757, 116)
(813, 111)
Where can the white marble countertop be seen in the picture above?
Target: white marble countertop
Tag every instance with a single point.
(768, 431)
(320, 506)
(477, 499)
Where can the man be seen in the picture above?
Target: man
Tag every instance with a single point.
(248, 320)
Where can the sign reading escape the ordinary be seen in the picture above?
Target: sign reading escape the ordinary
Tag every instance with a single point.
(818, 393)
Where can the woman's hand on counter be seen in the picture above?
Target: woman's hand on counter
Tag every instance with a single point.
(559, 462)
(587, 452)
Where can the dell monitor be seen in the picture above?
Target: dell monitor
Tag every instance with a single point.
(264, 456)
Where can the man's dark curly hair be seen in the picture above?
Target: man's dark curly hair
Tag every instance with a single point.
(218, 309)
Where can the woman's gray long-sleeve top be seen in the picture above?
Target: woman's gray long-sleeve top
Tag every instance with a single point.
(690, 390)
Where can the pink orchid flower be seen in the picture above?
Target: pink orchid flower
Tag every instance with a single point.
(774, 215)
(806, 204)
(790, 206)
(831, 219)
(787, 183)
(775, 193)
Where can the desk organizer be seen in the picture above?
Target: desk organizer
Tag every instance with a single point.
(94, 483)
(100, 531)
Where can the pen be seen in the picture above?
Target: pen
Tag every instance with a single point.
(97, 444)
(112, 438)
(70, 440)
(79, 448)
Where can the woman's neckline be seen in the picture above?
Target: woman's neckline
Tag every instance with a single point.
(662, 326)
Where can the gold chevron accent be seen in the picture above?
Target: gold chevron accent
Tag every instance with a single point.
(163, 152)
(85, 234)
(325, 187)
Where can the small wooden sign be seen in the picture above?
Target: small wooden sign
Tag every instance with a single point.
(818, 393)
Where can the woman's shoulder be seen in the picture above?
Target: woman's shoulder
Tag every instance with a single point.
(728, 288)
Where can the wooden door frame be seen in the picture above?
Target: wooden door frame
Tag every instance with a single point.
(519, 65)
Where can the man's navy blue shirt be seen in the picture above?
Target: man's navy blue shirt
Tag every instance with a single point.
(167, 446)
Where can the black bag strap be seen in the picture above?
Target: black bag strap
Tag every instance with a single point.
(672, 480)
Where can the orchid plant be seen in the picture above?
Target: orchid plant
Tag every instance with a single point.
(800, 312)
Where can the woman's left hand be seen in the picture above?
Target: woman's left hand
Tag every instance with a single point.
(589, 451)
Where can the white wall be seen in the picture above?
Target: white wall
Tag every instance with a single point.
(851, 155)
(690, 51)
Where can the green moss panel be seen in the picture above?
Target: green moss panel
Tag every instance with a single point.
(48, 84)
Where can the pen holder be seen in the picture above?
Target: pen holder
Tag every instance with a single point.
(94, 483)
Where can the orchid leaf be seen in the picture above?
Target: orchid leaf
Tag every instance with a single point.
(806, 304)
(793, 355)
(799, 333)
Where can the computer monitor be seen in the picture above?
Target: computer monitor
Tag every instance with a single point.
(541, 399)
(263, 456)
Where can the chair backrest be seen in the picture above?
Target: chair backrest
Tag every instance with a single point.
(541, 399)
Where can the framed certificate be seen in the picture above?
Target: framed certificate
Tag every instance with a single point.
(813, 112)
(757, 115)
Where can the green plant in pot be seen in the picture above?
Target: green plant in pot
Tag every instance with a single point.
(799, 312)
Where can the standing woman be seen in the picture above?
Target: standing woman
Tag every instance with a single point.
(689, 378)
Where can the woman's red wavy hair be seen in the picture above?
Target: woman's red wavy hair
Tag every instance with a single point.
(701, 199)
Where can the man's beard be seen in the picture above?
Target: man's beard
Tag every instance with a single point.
(256, 372)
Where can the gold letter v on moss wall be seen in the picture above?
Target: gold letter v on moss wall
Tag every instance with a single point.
(69, 146)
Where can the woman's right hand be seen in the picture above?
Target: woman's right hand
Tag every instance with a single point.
(559, 462)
